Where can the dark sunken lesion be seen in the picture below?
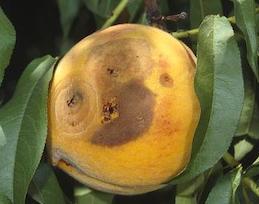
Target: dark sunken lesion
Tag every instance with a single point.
(74, 99)
(136, 106)
(110, 110)
(166, 80)
(113, 72)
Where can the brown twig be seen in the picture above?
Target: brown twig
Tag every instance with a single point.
(177, 17)
(155, 18)
(194, 32)
(153, 14)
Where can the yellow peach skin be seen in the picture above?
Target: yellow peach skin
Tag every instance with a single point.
(123, 110)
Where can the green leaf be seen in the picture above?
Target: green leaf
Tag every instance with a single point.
(225, 189)
(133, 8)
(247, 196)
(164, 7)
(221, 192)
(85, 195)
(24, 121)
(248, 106)
(185, 200)
(143, 19)
(254, 125)
(199, 9)
(236, 177)
(253, 170)
(7, 42)
(250, 190)
(101, 8)
(68, 10)
(44, 187)
(219, 86)
(246, 21)
(187, 192)
(99, 21)
(241, 149)
(2, 137)
(4, 199)
(192, 187)
(115, 13)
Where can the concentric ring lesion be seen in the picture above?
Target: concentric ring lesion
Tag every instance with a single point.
(75, 105)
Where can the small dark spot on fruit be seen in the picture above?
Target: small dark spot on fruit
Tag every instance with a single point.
(166, 80)
(112, 72)
(73, 123)
(110, 111)
(74, 100)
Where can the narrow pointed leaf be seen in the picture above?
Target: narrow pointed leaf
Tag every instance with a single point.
(219, 86)
(199, 9)
(225, 189)
(4, 199)
(7, 42)
(44, 187)
(68, 11)
(2, 137)
(241, 149)
(101, 8)
(246, 21)
(254, 125)
(85, 195)
(250, 187)
(252, 171)
(185, 200)
(133, 8)
(248, 106)
(24, 121)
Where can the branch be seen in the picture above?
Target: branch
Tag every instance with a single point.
(154, 15)
(155, 18)
(230, 160)
(252, 185)
(192, 32)
(115, 14)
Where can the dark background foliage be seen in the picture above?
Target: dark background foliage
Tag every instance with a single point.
(39, 31)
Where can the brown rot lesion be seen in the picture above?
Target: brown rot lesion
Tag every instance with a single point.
(126, 117)
(110, 110)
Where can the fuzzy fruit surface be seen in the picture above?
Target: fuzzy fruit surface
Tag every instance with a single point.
(123, 110)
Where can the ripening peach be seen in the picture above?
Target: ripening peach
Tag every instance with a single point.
(123, 109)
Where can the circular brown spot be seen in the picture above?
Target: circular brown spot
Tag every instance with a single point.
(75, 106)
(166, 80)
(75, 99)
